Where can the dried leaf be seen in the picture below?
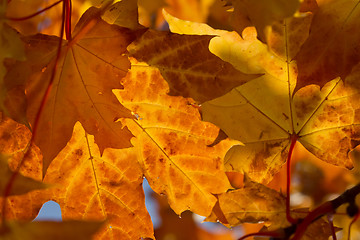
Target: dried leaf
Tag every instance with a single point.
(181, 62)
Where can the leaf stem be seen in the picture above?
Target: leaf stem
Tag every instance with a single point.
(293, 139)
(11, 181)
(68, 9)
(325, 208)
(34, 14)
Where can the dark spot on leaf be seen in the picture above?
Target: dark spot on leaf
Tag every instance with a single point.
(79, 152)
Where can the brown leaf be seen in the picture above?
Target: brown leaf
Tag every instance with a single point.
(90, 66)
(187, 64)
(332, 48)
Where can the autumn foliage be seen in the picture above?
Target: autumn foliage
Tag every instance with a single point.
(230, 109)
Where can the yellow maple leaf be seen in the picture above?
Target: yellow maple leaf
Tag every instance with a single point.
(325, 121)
(264, 113)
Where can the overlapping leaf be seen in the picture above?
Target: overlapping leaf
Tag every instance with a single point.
(332, 48)
(172, 143)
(87, 186)
(90, 66)
(325, 121)
(187, 65)
(267, 109)
(90, 187)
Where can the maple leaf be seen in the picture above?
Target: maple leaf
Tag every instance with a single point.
(269, 100)
(181, 62)
(90, 65)
(266, 99)
(172, 143)
(329, 51)
(50, 230)
(90, 187)
(279, 116)
(261, 14)
(326, 122)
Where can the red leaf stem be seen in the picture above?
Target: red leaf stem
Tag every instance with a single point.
(293, 139)
(36, 122)
(68, 9)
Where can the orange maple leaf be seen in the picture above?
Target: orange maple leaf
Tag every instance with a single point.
(90, 66)
(172, 143)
